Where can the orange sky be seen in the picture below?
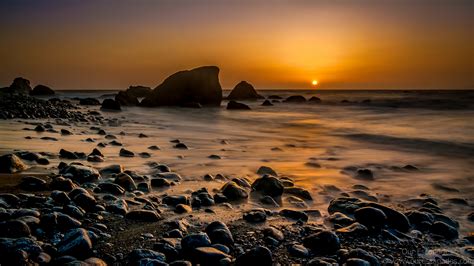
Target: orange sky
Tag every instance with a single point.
(364, 44)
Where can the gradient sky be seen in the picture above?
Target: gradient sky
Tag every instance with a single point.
(99, 44)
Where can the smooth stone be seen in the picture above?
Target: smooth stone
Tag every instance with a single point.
(32, 183)
(365, 174)
(80, 173)
(208, 256)
(265, 170)
(299, 192)
(219, 233)
(76, 242)
(182, 208)
(10, 163)
(255, 216)
(258, 255)
(14, 229)
(175, 200)
(354, 230)
(138, 254)
(244, 91)
(112, 169)
(193, 241)
(323, 242)
(62, 184)
(143, 215)
(234, 192)
(125, 181)
(160, 182)
(274, 233)
(297, 250)
(370, 217)
(126, 153)
(294, 215)
(444, 230)
(268, 185)
(110, 104)
(111, 188)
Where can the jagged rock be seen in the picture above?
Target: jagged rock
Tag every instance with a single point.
(200, 85)
(19, 85)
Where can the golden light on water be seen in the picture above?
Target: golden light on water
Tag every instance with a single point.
(315, 82)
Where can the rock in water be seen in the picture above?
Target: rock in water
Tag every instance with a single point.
(295, 99)
(233, 105)
(244, 91)
(125, 98)
(10, 163)
(200, 85)
(109, 104)
(139, 91)
(42, 90)
(268, 185)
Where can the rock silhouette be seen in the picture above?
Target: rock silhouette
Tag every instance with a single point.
(42, 90)
(244, 91)
(200, 85)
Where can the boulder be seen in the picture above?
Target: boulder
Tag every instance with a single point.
(244, 91)
(370, 217)
(294, 215)
(208, 256)
(200, 85)
(445, 230)
(233, 105)
(139, 91)
(143, 215)
(299, 192)
(76, 243)
(233, 191)
(323, 242)
(80, 173)
(193, 241)
(42, 90)
(145, 257)
(109, 104)
(268, 185)
(32, 183)
(255, 216)
(314, 99)
(265, 170)
(219, 233)
(20, 85)
(125, 181)
(295, 99)
(125, 98)
(259, 255)
(10, 163)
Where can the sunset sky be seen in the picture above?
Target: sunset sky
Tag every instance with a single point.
(353, 44)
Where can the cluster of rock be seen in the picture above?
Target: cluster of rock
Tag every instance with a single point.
(22, 86)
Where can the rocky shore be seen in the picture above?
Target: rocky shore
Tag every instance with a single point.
(80, 214)
(111, 216)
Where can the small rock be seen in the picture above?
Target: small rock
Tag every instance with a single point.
(323, 242)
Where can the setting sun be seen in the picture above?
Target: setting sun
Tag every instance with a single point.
(315, 82)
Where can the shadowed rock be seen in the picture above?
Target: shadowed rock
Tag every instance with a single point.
(109, 104)
(89, 101)
(19, 85)
(244, 91)
(139, 91)
(42, 90)
(10, 163)
(125, 98)
(200, 85)
(233, 105)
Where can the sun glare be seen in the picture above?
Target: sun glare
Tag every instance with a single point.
(315, 82)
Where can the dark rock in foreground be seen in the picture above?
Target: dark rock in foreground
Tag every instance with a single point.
(295, 99)
(18, 86)
(89, 101)
(125, 98)
(244, 91)
(109, 104)
(200, 85)
(10, 163)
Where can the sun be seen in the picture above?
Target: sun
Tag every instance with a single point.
(315, 82)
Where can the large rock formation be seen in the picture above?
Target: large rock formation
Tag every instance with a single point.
(244, 91)
(126, 98)
(139, 91)
(42, 90)
(19, 85)
(200, 85)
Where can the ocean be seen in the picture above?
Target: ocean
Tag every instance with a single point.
(316, 144)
